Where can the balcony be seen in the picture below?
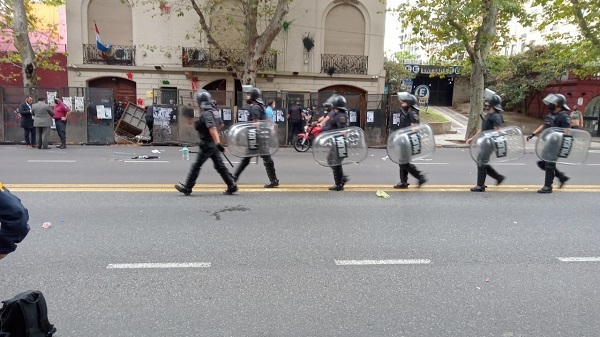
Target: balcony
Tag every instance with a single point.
(210, 58)
(119, 55)
(344, 64)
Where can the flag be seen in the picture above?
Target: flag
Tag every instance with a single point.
(99, 43)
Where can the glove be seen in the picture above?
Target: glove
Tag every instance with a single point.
(221, 147)
(529, 137)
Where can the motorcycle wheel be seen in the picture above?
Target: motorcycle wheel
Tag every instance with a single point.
(301, 144)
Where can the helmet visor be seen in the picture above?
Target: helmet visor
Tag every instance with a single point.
(403, 96)
(488, 94)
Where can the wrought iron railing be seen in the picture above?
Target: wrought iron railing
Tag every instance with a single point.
(118, 55)
(210, 58)
(344, 64)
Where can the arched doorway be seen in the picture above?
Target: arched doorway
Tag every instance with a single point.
(124, 90)
(591, 119)
(355, 101)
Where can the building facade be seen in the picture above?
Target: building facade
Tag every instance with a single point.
(150, 55)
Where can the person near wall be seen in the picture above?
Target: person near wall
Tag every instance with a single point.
(27, 121)
(61, 113)
(42, 121)
(295, 118)
(150, 121)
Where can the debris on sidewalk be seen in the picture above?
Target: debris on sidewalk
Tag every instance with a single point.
(145, 157)
(46, 225)
(155, 151)
(382, 194)
(385, 158)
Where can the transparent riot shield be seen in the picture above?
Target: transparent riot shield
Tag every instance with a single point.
(566, 146)
(407, 144)
(498, 146)
(340, 147)
(251, 139)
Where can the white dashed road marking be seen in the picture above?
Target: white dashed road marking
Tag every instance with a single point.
(51, 161)
(376, 262)
(158, 265)
(579, 259)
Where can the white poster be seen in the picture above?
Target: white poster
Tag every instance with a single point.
(226, 114)
(352, 116)
(395, 119)
(79, 104)
(279, 116)
(50, 96)
(107, 113)
(100, 113)
(162, 116)
(370, 116)
(243, 115)
(68, 102)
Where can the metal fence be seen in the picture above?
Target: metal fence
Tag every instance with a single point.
(178, 112)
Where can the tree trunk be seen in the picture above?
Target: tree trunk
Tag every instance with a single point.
(477, 86)
(23, 45)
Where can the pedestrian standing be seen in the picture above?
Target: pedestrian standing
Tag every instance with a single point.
(42, 121)
(409, 116)
(492, 121)
(27, 121)
(61, 113)
(210, 147)
(557, 117)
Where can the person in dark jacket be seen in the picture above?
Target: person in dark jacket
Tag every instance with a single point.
(27, 121)
(13, 222)
(150, 121)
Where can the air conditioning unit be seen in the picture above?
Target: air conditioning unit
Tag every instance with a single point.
(122, 54)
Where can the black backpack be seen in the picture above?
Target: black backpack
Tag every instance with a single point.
(25, 315)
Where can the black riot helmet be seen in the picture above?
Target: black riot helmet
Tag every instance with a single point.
(252, 94)
(338, 102)
(204, 99)
(409, 99)
(492, 99)
(327, 106)
(554, 100)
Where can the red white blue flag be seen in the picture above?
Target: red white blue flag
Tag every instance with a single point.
(99, 44)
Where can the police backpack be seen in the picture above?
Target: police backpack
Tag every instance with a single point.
(25, 315)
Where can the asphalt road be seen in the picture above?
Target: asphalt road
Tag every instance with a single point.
(143, 260)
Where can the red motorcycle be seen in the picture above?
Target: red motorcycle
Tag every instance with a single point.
(303, 141)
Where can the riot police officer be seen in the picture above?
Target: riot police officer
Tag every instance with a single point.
(257, 113)
(210, 147)
(328, 115)
(491, 121)
(409, 116)
(557, 117)
(338, 120)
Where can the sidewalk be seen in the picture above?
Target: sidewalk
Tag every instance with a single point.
(459, 128)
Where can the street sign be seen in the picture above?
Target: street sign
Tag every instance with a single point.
(422, 93)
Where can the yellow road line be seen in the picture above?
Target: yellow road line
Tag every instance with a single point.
(281, 188)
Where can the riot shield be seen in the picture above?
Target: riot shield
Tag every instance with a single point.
(498, 146)
(410, 143)
(566, 146)
(340, 147)
(251, 139)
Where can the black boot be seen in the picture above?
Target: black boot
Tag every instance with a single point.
(228, 179)
(241, 167)
(231, 189)
(481, 173)
(412, 169)
(183, 189)
(549, 178)
(494, 174)
(270, 166)
(562, 178)
(403, 177)
(338, 176)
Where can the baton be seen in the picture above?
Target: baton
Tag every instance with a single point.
(224, 155)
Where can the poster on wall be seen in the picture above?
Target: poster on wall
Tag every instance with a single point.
(226, 114)
(243, 115)
(370, 116)
(50, 96)
(79, 104)
(352, 116)
(68, 102)
(279, 116)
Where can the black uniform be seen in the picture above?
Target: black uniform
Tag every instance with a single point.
(338, 121)
(407, 118)
(490, 121)
(27, 123)
(208, 149)
(13, 221)
(554, 119)
(257, 112)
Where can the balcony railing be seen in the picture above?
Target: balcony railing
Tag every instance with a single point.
(210, 58)
(119, 55)
(344, 64)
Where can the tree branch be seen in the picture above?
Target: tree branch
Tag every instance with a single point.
(274, 27)
(583, 25)
(463, 37)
